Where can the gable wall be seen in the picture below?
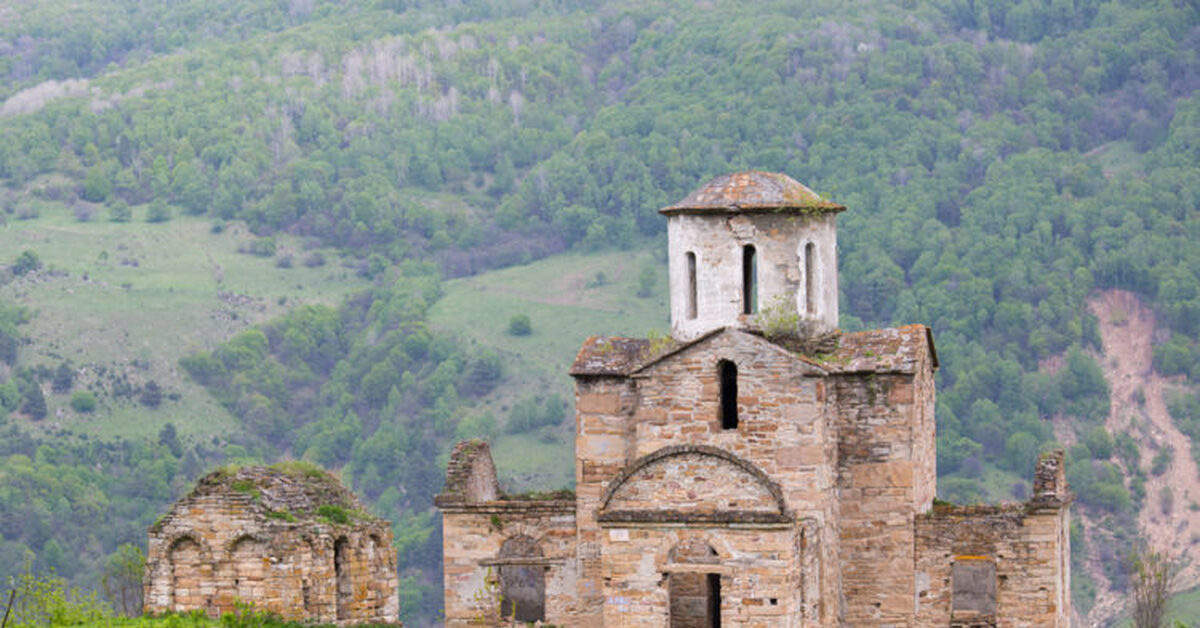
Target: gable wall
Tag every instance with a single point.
(783, 429)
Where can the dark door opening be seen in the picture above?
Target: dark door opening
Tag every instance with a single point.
(522, 587)
(714, 600)
(695, 600)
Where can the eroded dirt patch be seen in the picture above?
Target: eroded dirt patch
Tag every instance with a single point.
(1138, 407)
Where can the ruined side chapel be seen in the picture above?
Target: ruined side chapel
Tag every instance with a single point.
(288, 539)
(758, 468)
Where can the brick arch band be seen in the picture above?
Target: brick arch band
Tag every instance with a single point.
(781, 516)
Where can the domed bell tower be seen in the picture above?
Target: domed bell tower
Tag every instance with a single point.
(750, 245)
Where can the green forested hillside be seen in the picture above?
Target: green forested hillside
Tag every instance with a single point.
(1001, 159)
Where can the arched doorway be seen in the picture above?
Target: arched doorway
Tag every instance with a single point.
(522, 587)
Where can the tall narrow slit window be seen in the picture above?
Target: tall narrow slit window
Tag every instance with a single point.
(691, 285)
(727, 371)
(810, 278)
(749, 280)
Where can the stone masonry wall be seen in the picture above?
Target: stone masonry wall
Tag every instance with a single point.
(473, 535)
(884, 478)
(1029, 547)
(214, 550)
(603, 446)
(693, 484)
(758, 566)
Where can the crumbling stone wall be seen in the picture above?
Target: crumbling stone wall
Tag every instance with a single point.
(493, 541)
(1028, 547)
(254, 535)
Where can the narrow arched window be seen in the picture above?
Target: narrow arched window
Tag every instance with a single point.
(810, 281)
(691, 285)
(749, 280)
(727, 371)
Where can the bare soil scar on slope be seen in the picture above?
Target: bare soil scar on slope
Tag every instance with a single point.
(1138, 406)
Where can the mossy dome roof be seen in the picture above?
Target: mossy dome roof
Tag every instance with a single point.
(297, 488)
(753, 191)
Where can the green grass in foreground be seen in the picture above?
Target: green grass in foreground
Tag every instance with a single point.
(566, 302)
(132, 298)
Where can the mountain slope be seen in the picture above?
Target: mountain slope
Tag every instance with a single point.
(1002, 162)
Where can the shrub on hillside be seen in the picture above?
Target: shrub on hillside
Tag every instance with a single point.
(158, 212)
(83, 402)
(520, 325)
(26, 262)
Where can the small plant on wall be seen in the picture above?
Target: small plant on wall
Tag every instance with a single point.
(489, 601)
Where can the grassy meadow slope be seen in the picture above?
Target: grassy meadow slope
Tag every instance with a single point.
(123, 302)
(567, 298)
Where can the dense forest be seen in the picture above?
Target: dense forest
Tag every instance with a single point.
(1001, 159)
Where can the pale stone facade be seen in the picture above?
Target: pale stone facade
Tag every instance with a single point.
(757, 469)
(292, 541)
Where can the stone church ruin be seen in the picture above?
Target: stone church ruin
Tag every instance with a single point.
(758, 468)
(289, 539)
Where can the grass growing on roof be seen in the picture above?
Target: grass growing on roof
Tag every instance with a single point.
(301, 469)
